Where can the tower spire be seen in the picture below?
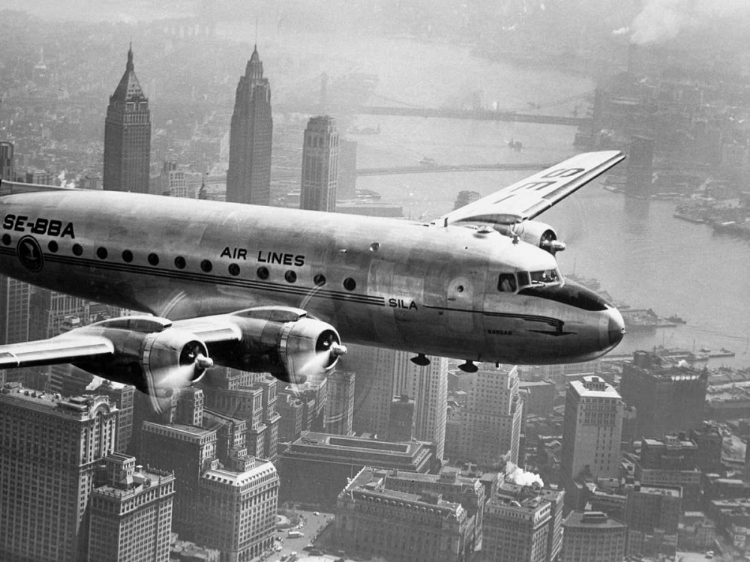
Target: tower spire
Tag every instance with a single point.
(130, 66)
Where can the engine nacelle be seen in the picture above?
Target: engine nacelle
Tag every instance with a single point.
(285, 343)
(151, 355)
(537, 234)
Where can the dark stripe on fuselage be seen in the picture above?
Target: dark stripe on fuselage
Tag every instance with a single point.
(554, 322)
(313, 292)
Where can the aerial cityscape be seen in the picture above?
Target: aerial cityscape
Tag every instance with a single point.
(407, 112)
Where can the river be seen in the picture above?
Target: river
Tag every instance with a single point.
(636, 249)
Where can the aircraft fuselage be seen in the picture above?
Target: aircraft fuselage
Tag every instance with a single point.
(382, 282)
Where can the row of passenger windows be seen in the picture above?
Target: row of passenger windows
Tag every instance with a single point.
(181, 263)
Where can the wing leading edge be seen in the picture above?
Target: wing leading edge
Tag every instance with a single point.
(532, 196)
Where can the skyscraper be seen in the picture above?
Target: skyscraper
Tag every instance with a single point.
(490, 428)
(215, 505)
(373, 389)
(516, 525)
(591, 433)
(251, 138)
(428, 385)
(7, 163)
(340, 404)
(127, 135)
(320, 165)
(15, 302)
(668, 398)
(131, 512)
(49, 448)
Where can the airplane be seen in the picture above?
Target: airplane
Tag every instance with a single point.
(268, 289)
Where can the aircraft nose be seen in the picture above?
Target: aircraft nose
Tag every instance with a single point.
(616, 329)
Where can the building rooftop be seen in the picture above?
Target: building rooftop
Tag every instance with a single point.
(239, 479)
(674, 492)
(80, 407)
(594, 387)
(592, 519)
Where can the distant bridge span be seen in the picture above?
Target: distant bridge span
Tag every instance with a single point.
(476, 114)
(439, 169)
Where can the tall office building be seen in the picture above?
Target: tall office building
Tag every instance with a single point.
(172, 180)
(249, 397)
(373, 390)
(516, 525)
(122, 397)
(340, 403)
(216, 505)
(652, 514)
(591, 536)
(490, 424)
(347, 184)
(7, 162)
(131, 512)
(401, 427)
(671, 462)
(591, 434)
(320, 165)
(15, 308)
(251, 138)
(668, 398)
(49, 449)
(428, 385)
(127, 135)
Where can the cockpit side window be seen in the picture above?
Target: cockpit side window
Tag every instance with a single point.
(507, 283)
(523, 279)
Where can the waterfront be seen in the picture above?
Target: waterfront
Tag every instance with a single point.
(640, 253)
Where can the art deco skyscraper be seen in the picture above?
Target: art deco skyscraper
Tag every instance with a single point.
(320, 165)
(250, 138)
(127, 135)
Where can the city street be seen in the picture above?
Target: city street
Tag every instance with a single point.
(310, 526)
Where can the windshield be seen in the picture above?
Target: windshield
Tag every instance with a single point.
(511, 282)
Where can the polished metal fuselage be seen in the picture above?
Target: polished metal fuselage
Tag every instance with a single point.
(391, 283)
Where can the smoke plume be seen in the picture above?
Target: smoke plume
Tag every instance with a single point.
(662, 20)
(517, 475)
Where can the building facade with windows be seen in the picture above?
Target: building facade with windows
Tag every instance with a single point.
(251, 138)
(131, 512)
(50, 447)
(127, 135)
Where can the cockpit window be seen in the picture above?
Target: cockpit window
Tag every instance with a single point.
(506, 283)
(546, 276)
(523, 279)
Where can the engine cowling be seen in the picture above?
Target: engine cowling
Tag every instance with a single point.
(151, 355)
(285, 343)
(537, 234)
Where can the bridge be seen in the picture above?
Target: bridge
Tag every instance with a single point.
(445, 113)
(436, 169)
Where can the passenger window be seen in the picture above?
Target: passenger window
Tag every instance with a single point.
(506, 283)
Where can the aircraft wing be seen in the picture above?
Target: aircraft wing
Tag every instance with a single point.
(158, 355)
(532, 196)
(60, 349)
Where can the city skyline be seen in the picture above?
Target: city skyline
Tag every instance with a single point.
(243, 411)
